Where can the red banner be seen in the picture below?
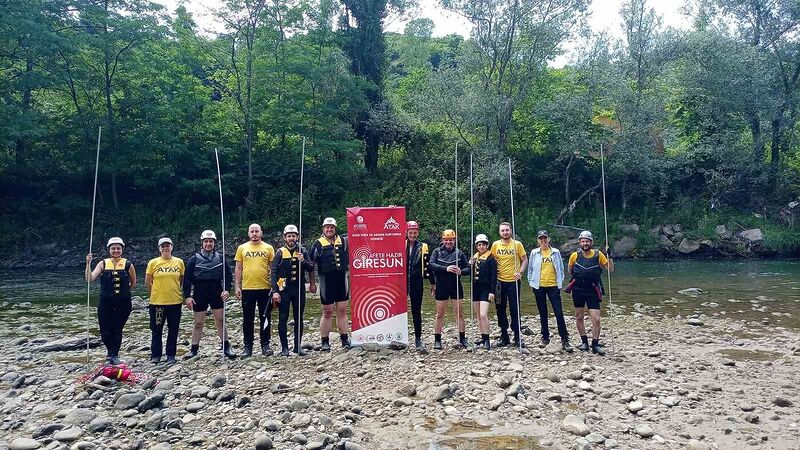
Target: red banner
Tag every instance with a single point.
(376, 241)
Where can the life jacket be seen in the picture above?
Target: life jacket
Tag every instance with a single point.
(333, 257)
(115, 281)
(287, 272)
(481, 262)
(587, 272)
(208, 268)
(418, 259)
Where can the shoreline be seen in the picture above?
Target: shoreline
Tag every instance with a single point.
(724, 384)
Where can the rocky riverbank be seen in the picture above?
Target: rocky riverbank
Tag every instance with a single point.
(661, 242)
(677, 383)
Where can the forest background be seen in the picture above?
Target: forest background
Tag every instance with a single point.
(699, 125)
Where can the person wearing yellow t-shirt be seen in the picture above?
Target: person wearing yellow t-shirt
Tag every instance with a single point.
(586, 267)
(251, 279)
(511, 264)
(163, 278)
(545, 276)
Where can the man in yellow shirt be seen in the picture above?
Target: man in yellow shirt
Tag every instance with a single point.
(251, 280)
(511, 264)
(163, 278)
(586, 267)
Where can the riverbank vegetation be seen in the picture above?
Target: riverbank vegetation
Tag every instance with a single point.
(698, 125)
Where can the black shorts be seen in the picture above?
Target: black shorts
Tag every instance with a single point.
(333, 288)
(207, 292)
(202, 302)
(448, 291)
(585, 299)
(480, 293)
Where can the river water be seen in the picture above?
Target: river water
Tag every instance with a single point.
(752, 290)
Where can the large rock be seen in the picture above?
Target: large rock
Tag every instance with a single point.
(630, 229)
(723, 232)
(624, 246)
(68, 344)
(79, 416)
(575, 424)
(569, 247)
(688, 246)
(752, 235)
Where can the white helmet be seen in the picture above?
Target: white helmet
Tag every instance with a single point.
(208, 234)
(115, 240)
(586, 235)
(481, 238)
(290, 229)
(329, 221)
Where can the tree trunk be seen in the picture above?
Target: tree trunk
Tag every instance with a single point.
(758, 141)
(777, 131)
(567, 173)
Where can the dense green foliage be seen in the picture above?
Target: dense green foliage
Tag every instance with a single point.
(698, 126)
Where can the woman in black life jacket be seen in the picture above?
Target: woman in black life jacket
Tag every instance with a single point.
(205, 271)
(484, 285)
(117, 280)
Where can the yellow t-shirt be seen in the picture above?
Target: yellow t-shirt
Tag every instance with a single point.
(506, 254)
(256, 262)
(547, 276)
(574, 257)
(167, 275)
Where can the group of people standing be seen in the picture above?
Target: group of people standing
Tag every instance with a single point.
(496, 277)
(264, 279)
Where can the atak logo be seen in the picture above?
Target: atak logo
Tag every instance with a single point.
(360, 219)
(391, 224)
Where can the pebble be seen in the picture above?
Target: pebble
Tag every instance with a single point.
(552, 376)
(68, 434)
(345, 431)
(585, 386)
(575, 424)
(301, 420)
(644, 430)
(595, 438)
(403, 401)
(695, 322)
(694, 444)
(263, 442)
(194, 407)
(782, 402)
(611, 443)
(128, 401)
(635, 406)
(441, 393)
(218, 381)
(514, 367)
(670, 401)
(24, 444)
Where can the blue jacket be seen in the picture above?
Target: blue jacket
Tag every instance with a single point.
(535, 267)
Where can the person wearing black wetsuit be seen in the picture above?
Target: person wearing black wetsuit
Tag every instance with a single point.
(417, 273)
(211, 278)
(289, 288)
(117, 279)
(447, 264)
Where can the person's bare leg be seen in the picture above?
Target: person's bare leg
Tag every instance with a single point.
(579, 322)
(441, 311)
(326, 323)
(197, 331)
(594, 315)
(222, 333)
(342, 322)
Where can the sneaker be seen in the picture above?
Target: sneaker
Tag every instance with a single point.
(566, 346)
(487, 345)
(326, 346)
(171, 360)
(247, 351)
(419, 344)
(545, 342)
(155, 359)
(114, 360)
(584, 347)
(190, 355)
(437, 345)
(266, 350)
(502, 342)
(518, 344)
(346, 343)
(300, 352)
(284, 352)
(464, 343)
(597, 349)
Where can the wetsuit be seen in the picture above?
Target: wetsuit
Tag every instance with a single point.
(285, 280)
(417, 272)
(448, 285)
(484, 277)
(204, 272)
(332, 262)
